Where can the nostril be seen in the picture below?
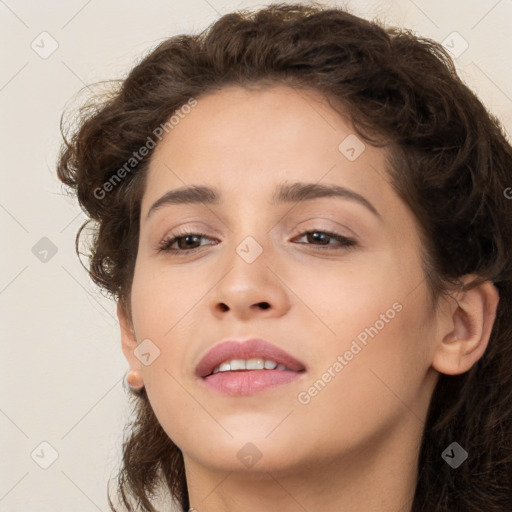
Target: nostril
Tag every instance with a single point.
(264, 305)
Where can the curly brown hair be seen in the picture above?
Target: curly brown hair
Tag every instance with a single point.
(450, 161)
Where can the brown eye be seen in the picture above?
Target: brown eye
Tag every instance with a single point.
(322, 238)
(186, 242)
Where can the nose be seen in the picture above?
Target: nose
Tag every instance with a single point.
(248, 289)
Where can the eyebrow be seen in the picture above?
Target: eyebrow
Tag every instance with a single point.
(284, 193)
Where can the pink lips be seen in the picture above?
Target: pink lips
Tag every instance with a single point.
(245, 382)
(249, 349)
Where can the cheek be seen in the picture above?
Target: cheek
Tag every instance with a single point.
(161, 298)
(359, 300)
(376, 353)
(160, 302)
(373, 386)
(386, 350)
(166, 303)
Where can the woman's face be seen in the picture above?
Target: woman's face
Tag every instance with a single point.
(354, 313)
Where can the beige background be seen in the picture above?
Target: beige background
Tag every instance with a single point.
(61, 362)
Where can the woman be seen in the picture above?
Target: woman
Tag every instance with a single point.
(304, 219)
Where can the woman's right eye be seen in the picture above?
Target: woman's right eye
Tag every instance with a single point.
(183, 241)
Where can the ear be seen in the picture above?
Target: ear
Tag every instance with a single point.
(128, 338)
(466, 328)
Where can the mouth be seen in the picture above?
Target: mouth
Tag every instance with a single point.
(249, 364)
(249, 355)
(242, 368)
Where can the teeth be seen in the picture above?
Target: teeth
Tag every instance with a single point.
(237, 364)
(249, 364)
(224, 367)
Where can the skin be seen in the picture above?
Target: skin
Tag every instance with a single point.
(354, 447)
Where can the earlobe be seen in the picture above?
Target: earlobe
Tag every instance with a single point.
(465, 338)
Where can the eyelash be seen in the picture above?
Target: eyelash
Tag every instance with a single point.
(165, 244)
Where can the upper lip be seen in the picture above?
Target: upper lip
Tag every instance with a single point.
(248, 349)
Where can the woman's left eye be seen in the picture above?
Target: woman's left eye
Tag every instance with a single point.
(324, 236)
(183, 241)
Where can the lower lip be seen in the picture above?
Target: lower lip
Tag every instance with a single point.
(248, 382)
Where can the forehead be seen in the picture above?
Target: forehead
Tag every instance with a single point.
(251, 140)
(242, 120)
